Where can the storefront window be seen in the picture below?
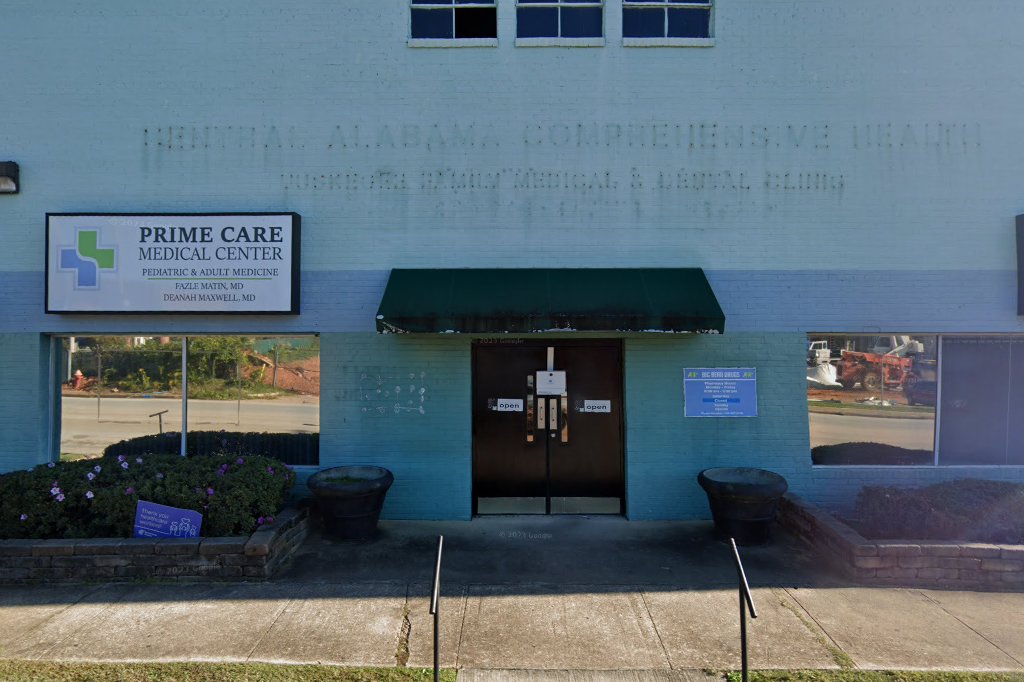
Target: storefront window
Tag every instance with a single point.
(872, 399)
(982, 401)
(117, 388)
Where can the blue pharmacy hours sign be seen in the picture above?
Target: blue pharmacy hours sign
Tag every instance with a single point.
(720, 392)
(158, 521)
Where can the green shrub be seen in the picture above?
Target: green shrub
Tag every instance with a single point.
(966, 510)
(869, 453)
(291, 448)
(97, 498)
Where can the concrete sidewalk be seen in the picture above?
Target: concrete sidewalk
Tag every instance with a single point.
(549, 599)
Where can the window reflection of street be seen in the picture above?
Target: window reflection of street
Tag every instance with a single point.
(116, 388)
(872, 398)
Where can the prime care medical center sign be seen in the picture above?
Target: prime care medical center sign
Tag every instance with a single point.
(172, 263)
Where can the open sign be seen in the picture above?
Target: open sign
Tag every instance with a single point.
(508, 405)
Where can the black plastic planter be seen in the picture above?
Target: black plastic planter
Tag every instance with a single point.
(350, 499)
(743, 501)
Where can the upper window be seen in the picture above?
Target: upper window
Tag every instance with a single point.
(560, 19)
(666, 22)
(452, 20)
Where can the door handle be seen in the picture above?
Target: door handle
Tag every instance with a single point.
(553, 416)
(565, 418)
(529, 408)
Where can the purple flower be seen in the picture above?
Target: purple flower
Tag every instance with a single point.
(24, 517)
(138, 460)
(49, 466)
(55, 484)
(60, 498)
(55, 490)
(129, 491)
(120, 458)
(270, 470)
(209, 492)
(270, 519)
(159, 476)
(239, 461)
(90, 475)
(97, 468)
(260, 521)
(124, 465)
(88, 493)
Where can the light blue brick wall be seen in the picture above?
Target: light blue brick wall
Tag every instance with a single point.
(25, 411)
(363, 420)
(820, 191)
(665, 450)
(872, 301)
(780, 147)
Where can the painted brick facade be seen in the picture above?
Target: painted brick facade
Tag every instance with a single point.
(832, 167)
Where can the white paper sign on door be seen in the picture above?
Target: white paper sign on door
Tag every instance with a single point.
(597, 406)
(550, 383)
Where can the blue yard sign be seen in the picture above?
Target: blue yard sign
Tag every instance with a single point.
(720, 392)
(159, 521)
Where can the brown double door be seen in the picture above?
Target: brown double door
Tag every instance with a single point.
(546, 442)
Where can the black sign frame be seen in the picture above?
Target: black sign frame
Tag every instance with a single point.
(296, 261)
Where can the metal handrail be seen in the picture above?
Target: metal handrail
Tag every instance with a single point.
(435, 611)
(745, 600)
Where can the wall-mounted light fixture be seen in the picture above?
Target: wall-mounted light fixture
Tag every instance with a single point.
(9, 183)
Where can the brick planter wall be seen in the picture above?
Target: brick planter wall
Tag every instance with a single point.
(252, 557)
(904, 562)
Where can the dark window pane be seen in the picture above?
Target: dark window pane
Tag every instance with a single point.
(432, 23)
(975, 384)
(537, 22)
(1015, 437)
(687, 2)
(689, 23)
(581, 22)
(476, 22)
(431, 2)
(643, 23)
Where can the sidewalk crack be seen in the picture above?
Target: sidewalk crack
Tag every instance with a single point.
(277, 617)
(462, 625)
(67, 608)
(664, 649)
(841, 658)
(961, 621)
(404, 632)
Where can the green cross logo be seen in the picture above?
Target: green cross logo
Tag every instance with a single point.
(86, 259)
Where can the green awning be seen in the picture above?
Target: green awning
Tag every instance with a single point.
(524, 300)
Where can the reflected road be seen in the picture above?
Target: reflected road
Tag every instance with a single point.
(828, 429)
(83, 431)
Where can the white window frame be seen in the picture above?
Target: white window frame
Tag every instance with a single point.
(452, 6)
(559, 41)
(665, 40)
